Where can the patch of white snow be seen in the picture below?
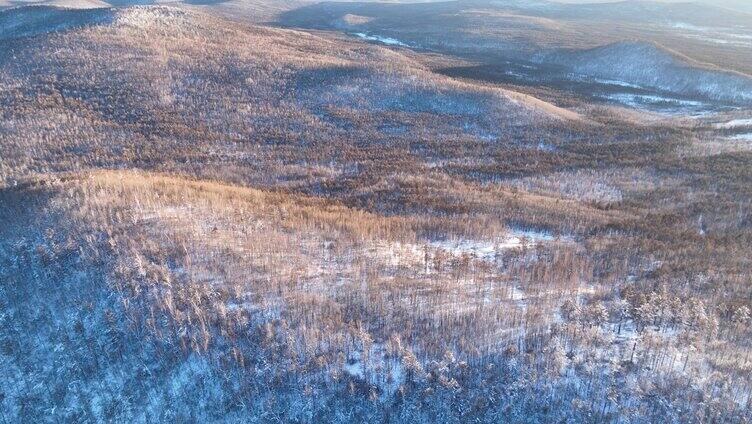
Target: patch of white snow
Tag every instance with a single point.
(384, 40)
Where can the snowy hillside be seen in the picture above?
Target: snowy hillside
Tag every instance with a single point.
(648, 66)
(398, 213)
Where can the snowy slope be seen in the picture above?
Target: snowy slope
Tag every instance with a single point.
(646, 65)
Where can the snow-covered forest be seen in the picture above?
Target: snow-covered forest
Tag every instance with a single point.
(326, 217)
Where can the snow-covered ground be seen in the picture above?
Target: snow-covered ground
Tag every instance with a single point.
(514, 239)
(742, 137)
(672, 79)
(384, 40)
(411, 254)
(603, 81)
(736, 123)
(377, 368)
(616, 82)
(726, 36)
(661, 104)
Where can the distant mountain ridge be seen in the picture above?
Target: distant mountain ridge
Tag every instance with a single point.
(740, 5)
(646, 65)
(696, 13)
(35, 20)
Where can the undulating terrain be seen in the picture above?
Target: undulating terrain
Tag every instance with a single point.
(453, 212)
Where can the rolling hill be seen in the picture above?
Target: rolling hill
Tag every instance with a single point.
(512, 36)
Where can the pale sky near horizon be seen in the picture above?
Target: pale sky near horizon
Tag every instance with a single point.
(741, 5)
